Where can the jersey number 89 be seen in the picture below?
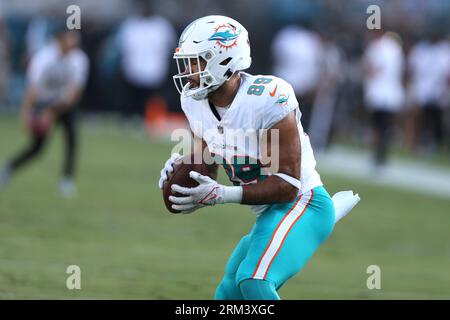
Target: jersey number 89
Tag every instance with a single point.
(258, 89)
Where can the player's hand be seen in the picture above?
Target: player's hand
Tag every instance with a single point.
(207, 193)
(168, 167)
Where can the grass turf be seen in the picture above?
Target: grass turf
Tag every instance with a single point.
(129, 247)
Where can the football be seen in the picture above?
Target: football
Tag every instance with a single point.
(38, 127)
(180, 176)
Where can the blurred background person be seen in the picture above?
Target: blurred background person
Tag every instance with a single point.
(330, 81)
(146, 43)
(297, 54)
(429, 83)
(56, 78)
(384, 97)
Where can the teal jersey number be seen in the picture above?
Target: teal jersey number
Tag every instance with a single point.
(242, 169)
(258, 89)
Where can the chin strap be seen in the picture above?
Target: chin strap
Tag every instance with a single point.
(296, 183)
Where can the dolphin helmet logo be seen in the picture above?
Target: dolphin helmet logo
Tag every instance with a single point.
(225, 36)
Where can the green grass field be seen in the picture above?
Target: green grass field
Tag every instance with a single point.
(129, 247)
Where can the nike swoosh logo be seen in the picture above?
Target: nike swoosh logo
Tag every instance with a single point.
(196, 42)
(274, 90)
(209, 197)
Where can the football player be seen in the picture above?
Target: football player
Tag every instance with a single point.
(56, 78)
(295, 213)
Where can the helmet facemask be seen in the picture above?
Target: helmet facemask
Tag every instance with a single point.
(207, 81)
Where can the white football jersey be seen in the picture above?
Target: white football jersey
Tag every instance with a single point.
(51, 73)
(260, 103)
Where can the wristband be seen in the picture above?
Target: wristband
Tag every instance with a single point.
(232, 194)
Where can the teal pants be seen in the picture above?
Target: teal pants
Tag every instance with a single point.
(283, 239)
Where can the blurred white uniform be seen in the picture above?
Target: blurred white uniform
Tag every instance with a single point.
(146, 44)
(52, 74)
(298, 58)
(430, 70)
(383, 86)
(252, 109)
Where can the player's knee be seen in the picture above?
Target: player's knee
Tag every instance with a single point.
(256, 289)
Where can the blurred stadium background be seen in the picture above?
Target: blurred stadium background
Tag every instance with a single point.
(117, 229)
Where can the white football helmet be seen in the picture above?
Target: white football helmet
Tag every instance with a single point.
(222, 42)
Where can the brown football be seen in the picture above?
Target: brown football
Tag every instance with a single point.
(180, 176)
